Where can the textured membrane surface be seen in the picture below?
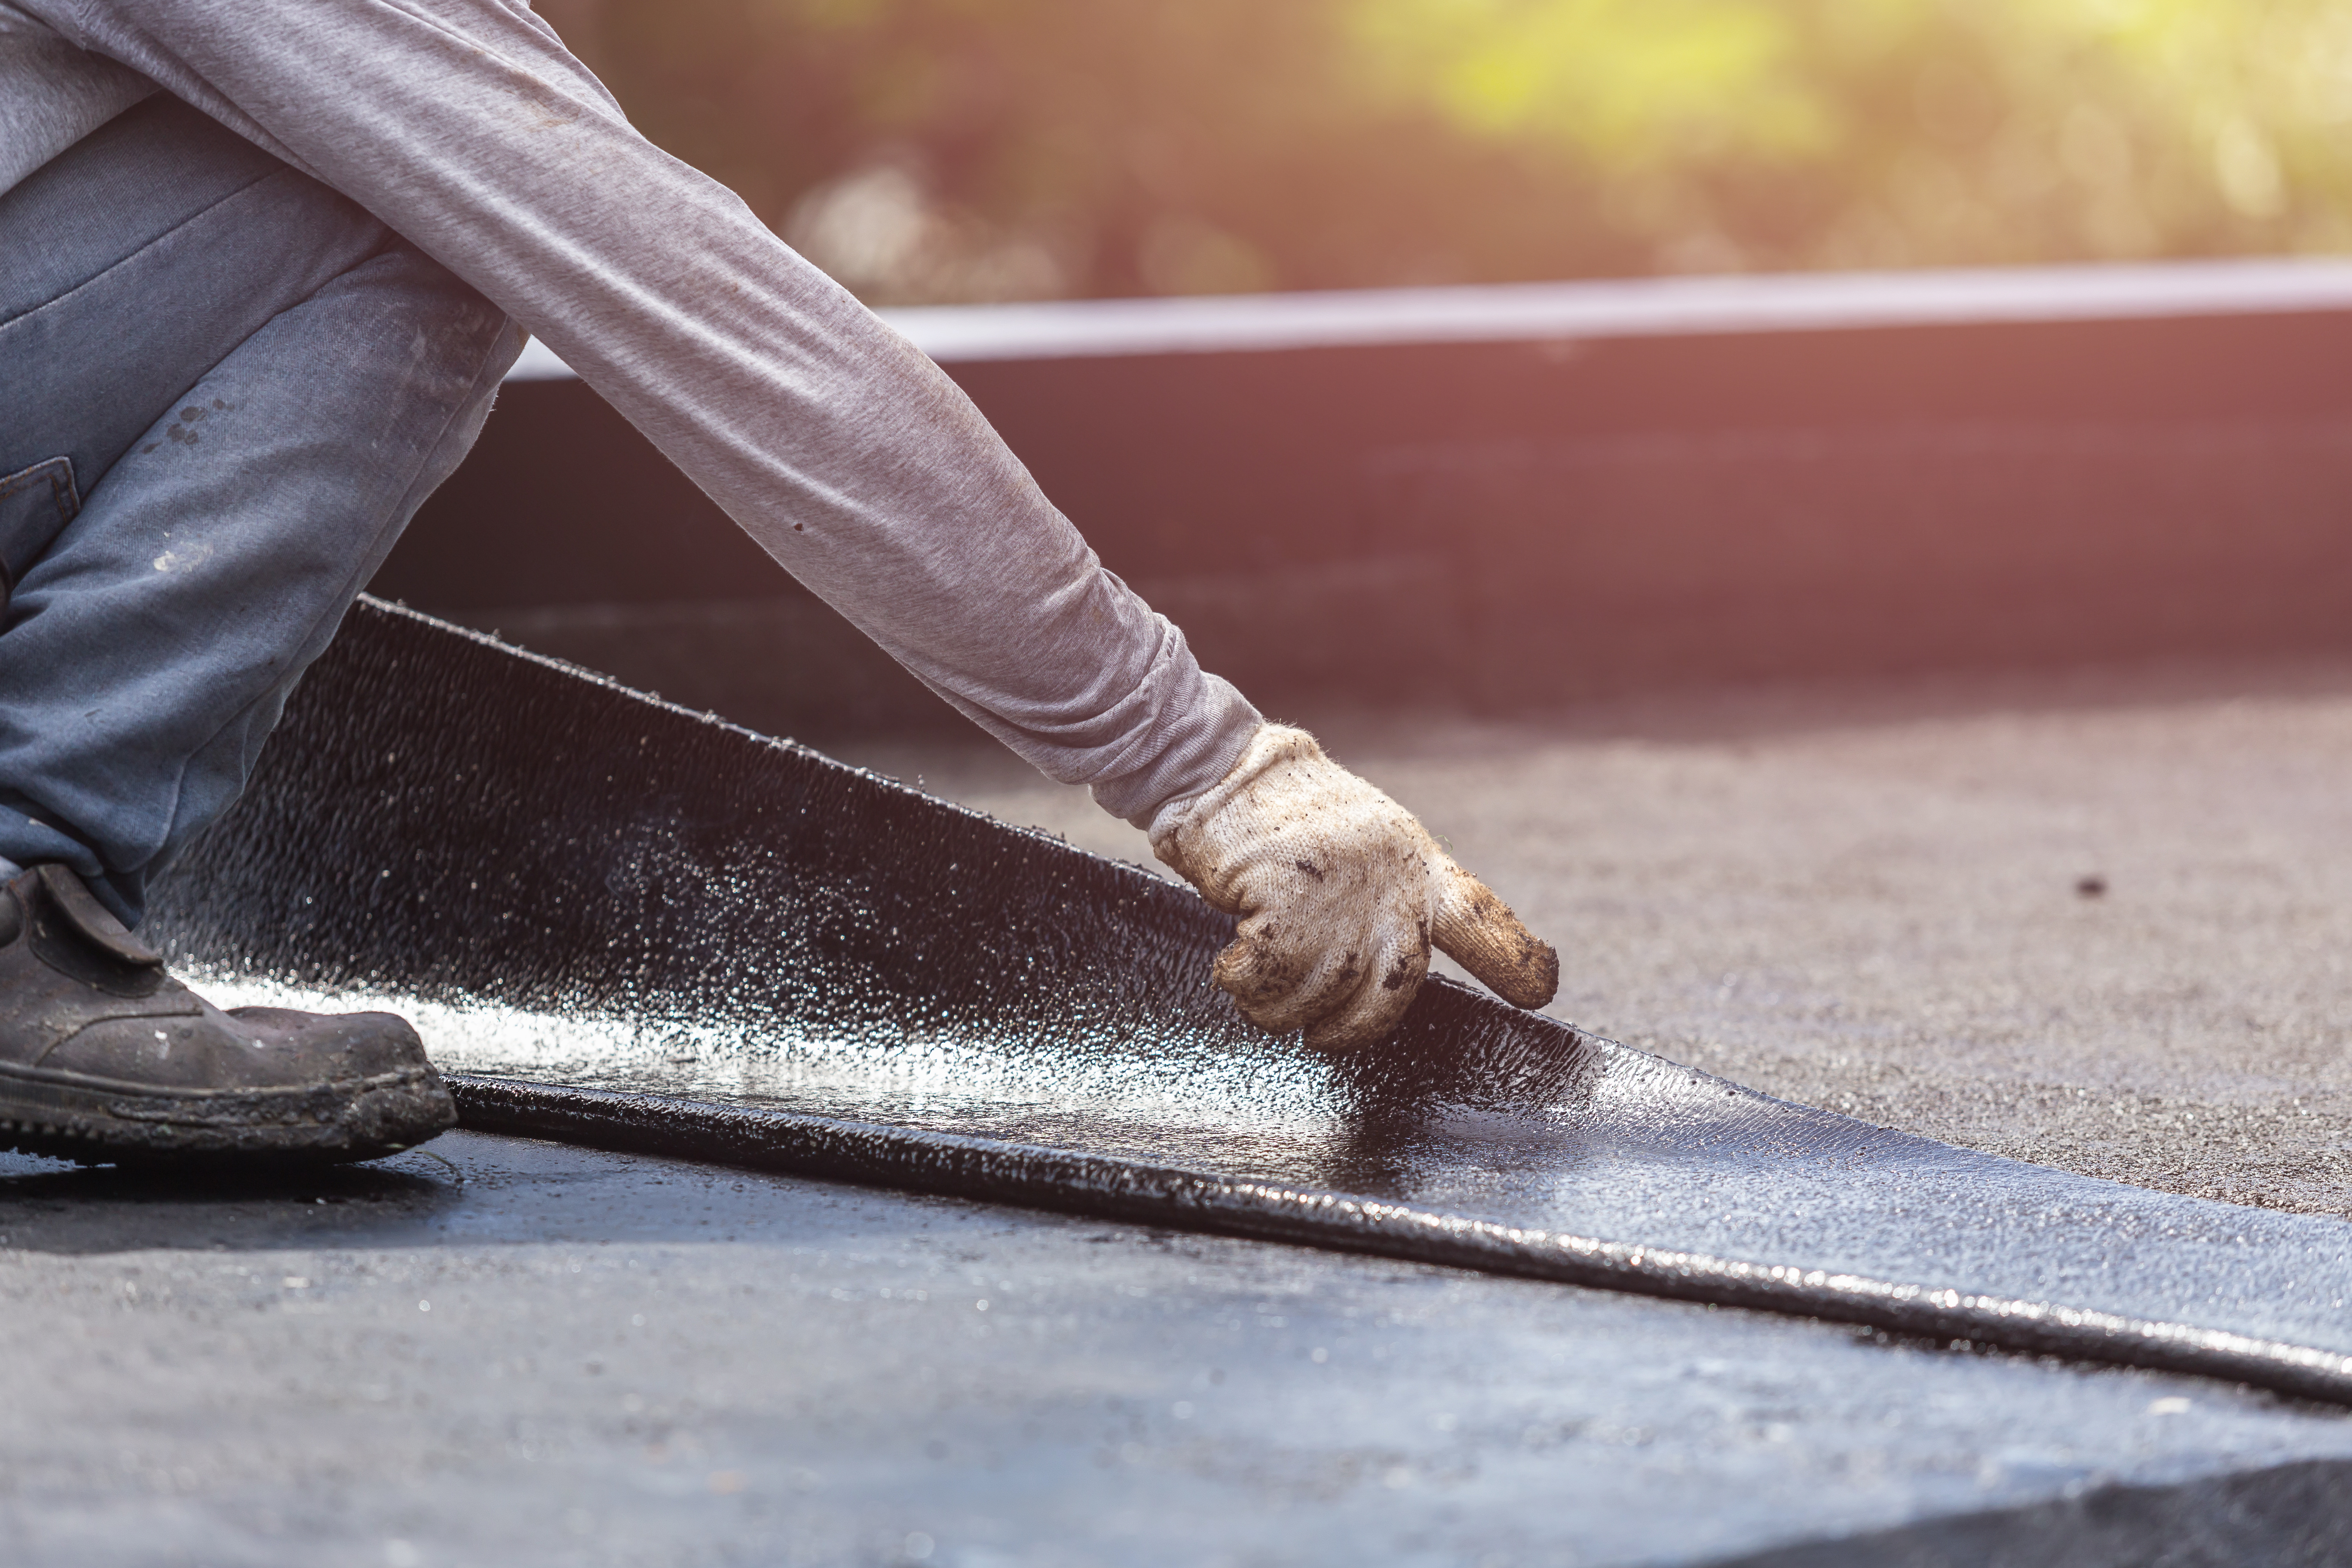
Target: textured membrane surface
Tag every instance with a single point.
(734, 946)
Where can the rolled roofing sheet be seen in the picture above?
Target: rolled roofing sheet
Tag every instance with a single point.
(623, 923)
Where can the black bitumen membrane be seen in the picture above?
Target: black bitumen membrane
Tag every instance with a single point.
(639, 928)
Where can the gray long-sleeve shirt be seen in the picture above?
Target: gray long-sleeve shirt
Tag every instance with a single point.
(465, 126)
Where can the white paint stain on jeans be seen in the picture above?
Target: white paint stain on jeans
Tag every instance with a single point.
(184, 559)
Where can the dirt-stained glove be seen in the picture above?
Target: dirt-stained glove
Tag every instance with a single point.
(1340, 894)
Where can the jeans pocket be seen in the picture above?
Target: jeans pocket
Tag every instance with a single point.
(35, 503)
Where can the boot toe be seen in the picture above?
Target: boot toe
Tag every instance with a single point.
(105, 1057)
(338, 1046)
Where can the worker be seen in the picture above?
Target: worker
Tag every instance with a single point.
(262, 268)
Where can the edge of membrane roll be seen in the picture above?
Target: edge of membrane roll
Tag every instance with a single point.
(623, 924)
(1190, 1200)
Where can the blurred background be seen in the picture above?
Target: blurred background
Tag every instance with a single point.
(938, 151)
(1625, 498)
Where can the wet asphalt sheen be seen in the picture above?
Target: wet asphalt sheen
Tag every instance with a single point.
(566, 883)
(501, 1350)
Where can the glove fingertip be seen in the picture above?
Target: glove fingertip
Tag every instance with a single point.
(1532, 980)
(1479, 932)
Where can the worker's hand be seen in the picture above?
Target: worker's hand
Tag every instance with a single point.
(1340, 894)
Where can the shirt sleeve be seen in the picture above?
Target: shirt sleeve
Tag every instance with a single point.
(852, 458)
(52, 95)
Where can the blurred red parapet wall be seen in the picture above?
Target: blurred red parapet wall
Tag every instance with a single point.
(1510, 498)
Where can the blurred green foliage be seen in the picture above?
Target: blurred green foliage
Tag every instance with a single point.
(932, 149)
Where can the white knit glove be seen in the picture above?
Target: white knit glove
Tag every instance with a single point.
(1340, 894)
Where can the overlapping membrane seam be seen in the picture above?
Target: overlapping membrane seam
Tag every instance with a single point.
(882, 987)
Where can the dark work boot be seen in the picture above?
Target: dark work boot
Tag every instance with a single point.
(105, 1057)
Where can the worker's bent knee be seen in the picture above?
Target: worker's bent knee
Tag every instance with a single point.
(136, 261)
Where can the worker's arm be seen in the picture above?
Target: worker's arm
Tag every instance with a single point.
(466, 127)
(849, 456)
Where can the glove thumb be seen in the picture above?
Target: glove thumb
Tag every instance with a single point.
(1478, 931)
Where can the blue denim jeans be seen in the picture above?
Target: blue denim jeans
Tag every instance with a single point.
(224, 391)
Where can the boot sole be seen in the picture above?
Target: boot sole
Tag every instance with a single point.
(94, 1123)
